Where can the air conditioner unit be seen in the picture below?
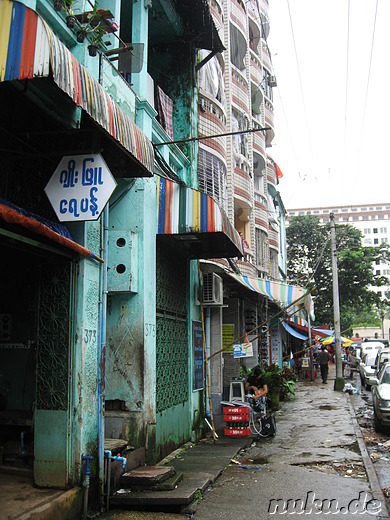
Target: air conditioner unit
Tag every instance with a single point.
(212, 289)
(272, 81)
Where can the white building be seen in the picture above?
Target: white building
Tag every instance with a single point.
(373, 220)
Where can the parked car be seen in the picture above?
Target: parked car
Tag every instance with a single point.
(382, 357)
(371, 346)
(385, 342)
(367, 368)
(381, 398)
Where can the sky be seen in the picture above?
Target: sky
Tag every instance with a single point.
(332, 102)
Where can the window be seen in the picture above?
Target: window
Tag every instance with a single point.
(384, 240)
(379, 293)
(325, 211)
(353, 209)
(375, 230)
(367, 241)
(383, 229)
(379, 208)
(355, 218)
(316, 212)
(344, 211)
(363, 209)
(367, 231)
(377, 262)
(376, 241)
(386, 272)
(345, 219)
(378, 272)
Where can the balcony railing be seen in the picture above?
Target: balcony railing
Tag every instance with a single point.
(238, 13)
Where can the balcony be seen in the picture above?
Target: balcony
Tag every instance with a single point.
(217, 13)
(254, 34)
(261, 211)
(243, 187)
(269, 121)
(258, 144)
(264, 7)
(238, 14)
(265, 56)
(256, 71)
(211, 121)
(273, 239)
(240, 91)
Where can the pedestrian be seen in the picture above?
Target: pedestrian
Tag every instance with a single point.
(256, 385)
(323, 360)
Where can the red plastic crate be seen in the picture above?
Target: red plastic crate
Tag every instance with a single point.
(242, 417)
(233, 410)
(237, 432)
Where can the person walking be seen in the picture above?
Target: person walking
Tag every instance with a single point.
(323, 360)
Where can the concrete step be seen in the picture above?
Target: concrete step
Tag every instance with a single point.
(146, 476)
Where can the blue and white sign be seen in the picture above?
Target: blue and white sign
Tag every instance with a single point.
(241, 350)
(80, 187)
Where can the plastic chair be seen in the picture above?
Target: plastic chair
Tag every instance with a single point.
(237, 390)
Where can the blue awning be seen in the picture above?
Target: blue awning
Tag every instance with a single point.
(293, 332)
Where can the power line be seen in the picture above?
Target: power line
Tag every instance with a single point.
(300, 81)
(368, 76)
(346, 81)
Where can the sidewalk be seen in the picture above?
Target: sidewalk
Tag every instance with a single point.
(318, 448)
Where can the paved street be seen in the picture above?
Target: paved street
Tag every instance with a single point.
(317, 461)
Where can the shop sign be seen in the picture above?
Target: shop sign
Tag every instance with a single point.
(242, 350)
(197, 356)
(80, 187)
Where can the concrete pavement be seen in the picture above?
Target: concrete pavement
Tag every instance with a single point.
(316, 463)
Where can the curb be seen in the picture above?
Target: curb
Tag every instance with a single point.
(373, 480)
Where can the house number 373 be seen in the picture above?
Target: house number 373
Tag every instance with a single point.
(89, 335)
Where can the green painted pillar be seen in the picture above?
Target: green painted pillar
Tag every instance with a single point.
(140, 35)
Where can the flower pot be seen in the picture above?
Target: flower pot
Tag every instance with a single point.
(81, 36)
(70, 21)
(92, 49)
(58, 5)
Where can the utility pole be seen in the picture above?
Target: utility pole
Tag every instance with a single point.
(339, 381)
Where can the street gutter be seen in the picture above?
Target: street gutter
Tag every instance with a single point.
(376, 488)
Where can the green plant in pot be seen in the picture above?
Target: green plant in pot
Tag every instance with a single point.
(273, 377)
(70, 18)
(95, 39)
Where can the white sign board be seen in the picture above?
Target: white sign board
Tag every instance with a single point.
(242, 350)
(80, 187)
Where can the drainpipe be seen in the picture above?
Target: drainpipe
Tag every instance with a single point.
(207, 320)
(102, 346)
(87, 475)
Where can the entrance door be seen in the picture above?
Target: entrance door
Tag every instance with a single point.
(52, 425)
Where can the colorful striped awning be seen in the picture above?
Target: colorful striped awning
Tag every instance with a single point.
(196, 219)
(278, 292)
(29, 49)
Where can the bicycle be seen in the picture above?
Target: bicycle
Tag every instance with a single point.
(261, 422)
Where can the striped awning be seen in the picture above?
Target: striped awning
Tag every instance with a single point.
(29, 49)
(196, 219)
(278, 292)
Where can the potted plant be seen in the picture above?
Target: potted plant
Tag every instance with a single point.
(70, 18)
(95, 39)
(58, 5)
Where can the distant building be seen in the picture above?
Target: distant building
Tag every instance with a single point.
(373, 220)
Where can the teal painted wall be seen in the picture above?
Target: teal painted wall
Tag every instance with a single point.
(131, 318)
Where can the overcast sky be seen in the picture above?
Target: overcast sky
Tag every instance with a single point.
(332, 108)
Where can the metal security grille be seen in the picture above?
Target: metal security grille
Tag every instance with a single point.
(54, 337)
(172, 330)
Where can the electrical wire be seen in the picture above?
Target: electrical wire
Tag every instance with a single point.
(300, 82)
(346, 82)
(368, 76)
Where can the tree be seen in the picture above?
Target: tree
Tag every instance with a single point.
(309, 264)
